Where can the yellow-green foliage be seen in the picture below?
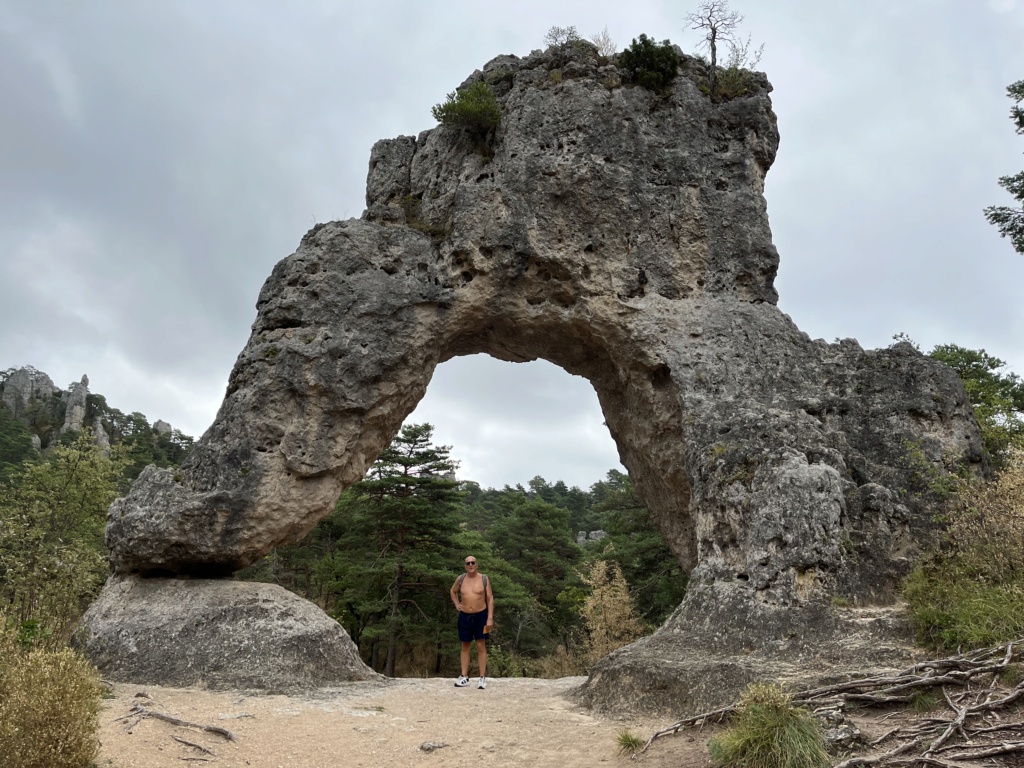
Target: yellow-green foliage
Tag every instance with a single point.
(52, 558)
(49, 705)
(970, 593)
(608, 611)
(769, 732)
(561, 663)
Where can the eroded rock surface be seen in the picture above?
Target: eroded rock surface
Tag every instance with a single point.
(622, 235)
(216, 634)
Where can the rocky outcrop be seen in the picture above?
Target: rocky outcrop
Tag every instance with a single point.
(680, 669)
(622, 235)
(99, 434)
(216, 634)
(75, 401)
(582, 537)
(22, 387)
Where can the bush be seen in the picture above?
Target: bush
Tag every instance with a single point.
(474, 109)
(769, 732)
(970, 593)
(49, 707)
(651, 65)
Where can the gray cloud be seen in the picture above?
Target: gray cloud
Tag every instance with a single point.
(158, 159)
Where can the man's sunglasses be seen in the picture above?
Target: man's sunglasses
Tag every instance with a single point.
(471, 562)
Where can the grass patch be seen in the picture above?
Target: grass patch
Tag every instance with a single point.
(924, 701)
(629, 743)
(769, 732)
(952, 613)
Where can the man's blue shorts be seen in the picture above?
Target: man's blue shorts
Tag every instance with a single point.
(471, 626)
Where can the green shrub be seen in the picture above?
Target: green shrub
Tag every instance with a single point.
(49, 707)
(769, 732)
(474, 109)
(970, 593)
(951, 614)
(52, 558)
(733, 82)
(651, 65)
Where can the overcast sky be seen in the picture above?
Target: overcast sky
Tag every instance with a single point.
(158, 158)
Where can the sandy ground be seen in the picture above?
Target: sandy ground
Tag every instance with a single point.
(406, 722)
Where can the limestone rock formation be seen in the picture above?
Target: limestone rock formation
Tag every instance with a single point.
(582, 537)
(99, 434)
(76, 399)
(622, 235)
(216, 634)
(22, 387)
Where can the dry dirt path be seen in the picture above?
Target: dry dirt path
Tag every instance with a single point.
(515, 722)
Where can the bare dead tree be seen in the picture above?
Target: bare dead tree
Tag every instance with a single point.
(719, 25)
(603, 41)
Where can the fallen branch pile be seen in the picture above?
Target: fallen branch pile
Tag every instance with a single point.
(979, 690)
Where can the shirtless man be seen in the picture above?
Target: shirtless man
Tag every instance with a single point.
(472, 596)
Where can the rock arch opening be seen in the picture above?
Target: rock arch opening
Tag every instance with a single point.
(628, 409)
(510, 422)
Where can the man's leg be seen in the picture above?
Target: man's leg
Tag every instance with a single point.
(481, 656)
(465, 658)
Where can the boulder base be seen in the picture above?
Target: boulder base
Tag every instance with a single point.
(678, 672)
(215, 634)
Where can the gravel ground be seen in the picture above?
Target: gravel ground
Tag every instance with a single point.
(405, 722)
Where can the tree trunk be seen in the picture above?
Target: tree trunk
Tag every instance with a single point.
(374, 655)
(714, 61)
(389, 668)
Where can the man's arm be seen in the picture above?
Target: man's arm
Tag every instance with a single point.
(455, 596)
(490, 605)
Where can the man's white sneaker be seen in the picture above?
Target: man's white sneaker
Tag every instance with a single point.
(482, 682)
(462, 682)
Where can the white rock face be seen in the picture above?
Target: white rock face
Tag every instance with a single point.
(622, 235)
(23, 386)
(75, 400)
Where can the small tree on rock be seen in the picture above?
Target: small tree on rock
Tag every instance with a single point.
(561, 36)
(649, 64)
(720, 25)
(603, 41)
(473, 109)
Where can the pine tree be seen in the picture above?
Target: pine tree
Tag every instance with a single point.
(1010, 221)
(395, 551)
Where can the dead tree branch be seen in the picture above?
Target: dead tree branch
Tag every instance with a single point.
(141, 713)
(199, 747)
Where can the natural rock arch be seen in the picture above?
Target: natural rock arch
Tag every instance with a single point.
(622, 235)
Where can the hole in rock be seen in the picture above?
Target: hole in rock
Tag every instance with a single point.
(509, 422)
